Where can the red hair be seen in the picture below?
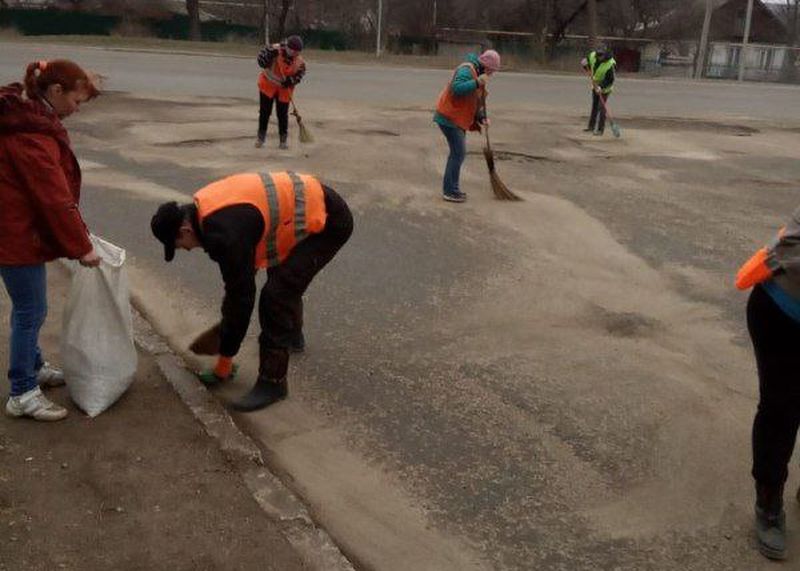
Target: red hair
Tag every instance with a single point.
(40, 75)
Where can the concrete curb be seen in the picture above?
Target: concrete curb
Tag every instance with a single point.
(313, 543)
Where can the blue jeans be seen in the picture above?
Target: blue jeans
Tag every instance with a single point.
(456, 139)
(27, 288)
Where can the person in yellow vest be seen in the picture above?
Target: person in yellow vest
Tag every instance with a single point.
(460, 109)
(602, 65)
(773, 321)
(282, 69)
(289, 224)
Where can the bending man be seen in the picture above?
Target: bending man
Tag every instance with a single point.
(289, 224)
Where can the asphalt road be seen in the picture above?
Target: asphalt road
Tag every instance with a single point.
(557, 385)
(165, 74)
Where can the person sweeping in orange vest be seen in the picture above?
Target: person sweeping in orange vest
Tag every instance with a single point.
(459, 110)
(282, 69)
(289, 224)
(773, 321)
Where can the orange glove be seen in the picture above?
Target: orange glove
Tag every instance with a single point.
(224, 367)
(222, 371)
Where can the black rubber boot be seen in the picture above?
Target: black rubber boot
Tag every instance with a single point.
(264, 393)
(283, 144)
(271, 385)
(770, 521)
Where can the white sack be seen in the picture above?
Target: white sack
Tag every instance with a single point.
(97, 350)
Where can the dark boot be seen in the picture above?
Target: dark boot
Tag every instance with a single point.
(283, 142)
(770, 521)
(271, 385)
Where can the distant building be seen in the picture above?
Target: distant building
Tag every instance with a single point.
(674, 49)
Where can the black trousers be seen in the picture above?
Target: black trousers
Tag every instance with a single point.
(280, 307)
(774, 335)
(597, 119)
(264, 112)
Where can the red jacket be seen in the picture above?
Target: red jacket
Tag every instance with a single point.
(40, 183)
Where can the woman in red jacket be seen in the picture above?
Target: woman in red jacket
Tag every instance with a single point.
(40, 184)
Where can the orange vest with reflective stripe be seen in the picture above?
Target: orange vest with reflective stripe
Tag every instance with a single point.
(460, 109)
(293, 207)
(759, 268)
(270, 80)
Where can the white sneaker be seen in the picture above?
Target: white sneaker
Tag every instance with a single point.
(50, 376)
(36, 405)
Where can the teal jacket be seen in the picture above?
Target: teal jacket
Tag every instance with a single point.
(462, 84)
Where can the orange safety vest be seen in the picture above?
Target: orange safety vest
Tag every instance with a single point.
(759, 268)
(270, 80)
(293, 207)
(460, 109)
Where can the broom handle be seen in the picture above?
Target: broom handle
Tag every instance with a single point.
(486, 125)
(600, 95)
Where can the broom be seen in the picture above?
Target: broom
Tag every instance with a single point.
(613, 124)
(501, 191)
(305, 134)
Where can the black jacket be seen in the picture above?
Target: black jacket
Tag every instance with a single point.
(230, 237)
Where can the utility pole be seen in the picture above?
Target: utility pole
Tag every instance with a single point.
(700, 64)
(745, 39)
(380, 25)
(266, 22)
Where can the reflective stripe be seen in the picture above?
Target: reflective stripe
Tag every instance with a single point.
(299, 207)
(272, 223)
(272, 77)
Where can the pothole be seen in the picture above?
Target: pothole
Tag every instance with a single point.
(772, 183)
(202, 142)
(382, 132)
(684, 124)
(518, 157)
(626, 324)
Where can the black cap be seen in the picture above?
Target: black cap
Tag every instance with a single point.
(165, 224)
(295, 43)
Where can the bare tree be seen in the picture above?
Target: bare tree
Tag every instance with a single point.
(193, 9)
(563, 20)
(285, 6)
(591, 9)
(265, 23)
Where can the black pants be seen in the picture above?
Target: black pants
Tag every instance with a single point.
(774, 335)
(597, 120)
(264, 112)
(280, 307)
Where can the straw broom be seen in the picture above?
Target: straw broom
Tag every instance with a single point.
(501, 191)
(305, 134)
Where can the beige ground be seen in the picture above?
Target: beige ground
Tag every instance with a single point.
(622, 421)
(139, 487)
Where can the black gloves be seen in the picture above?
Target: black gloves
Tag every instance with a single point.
(291, 81)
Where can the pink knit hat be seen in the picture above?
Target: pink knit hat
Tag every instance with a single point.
(490, 59)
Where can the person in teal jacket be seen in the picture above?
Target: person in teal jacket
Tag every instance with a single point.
(460, 108)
